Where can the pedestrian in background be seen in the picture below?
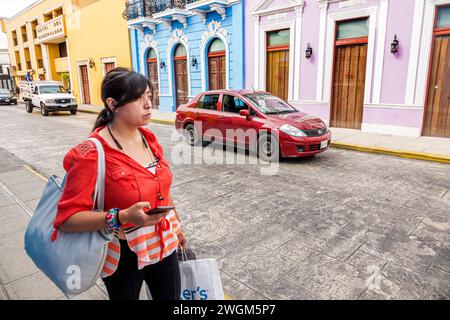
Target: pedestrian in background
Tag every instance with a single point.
(138, 177)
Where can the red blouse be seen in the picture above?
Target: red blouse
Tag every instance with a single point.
(126, 181)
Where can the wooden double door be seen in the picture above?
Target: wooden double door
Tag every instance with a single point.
(216, 70)
(277, 75)
(437, 109)
(152, 71)
(181, 80)
(85, 84)
(349, 84)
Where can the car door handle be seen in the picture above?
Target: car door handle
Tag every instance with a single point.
(221, 117)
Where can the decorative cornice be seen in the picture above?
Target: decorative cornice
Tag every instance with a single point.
(149, 41)
(323, 5)
(178, 36)
(214, 29)
(262, 10)
(201, 14)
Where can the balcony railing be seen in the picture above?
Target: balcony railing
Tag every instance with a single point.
(146, 8)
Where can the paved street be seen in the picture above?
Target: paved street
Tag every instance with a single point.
(341, 225)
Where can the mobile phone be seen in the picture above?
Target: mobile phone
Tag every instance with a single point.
(159, 210)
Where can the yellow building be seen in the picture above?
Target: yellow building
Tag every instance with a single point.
(37, 42)
(73, 41)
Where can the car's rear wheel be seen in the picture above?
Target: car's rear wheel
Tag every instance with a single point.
(268, 148)
(191, 135)
(44, 110)
(29, 107)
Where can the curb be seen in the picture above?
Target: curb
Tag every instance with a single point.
(393, 152)
(168, 122)
(356, 147)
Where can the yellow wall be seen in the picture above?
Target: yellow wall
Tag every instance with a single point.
(35, 11)
(95, 30)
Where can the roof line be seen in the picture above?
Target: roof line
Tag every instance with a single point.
(24, 10)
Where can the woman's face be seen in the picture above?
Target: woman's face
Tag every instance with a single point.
(137, 113)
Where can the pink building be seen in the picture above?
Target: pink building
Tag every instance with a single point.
(338, 59)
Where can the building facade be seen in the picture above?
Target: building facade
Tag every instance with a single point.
(37, 42)
(72, 41)
(98, 41)
(376, 65)
(186, 47)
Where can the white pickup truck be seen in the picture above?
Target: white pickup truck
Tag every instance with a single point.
(49, 96)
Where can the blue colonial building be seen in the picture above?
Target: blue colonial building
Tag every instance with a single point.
(186, 46)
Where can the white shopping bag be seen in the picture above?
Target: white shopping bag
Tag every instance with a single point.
(200, 280)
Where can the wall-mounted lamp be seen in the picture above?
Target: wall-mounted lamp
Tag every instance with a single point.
(394, 45)
(91, 63)
(308, 51)
(162, 65)
(194, 61)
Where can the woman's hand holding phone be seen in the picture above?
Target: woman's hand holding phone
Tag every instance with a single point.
(137, 215)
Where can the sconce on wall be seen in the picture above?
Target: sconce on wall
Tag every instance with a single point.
(308, 51)
(394, 45)
(193, 61)
(162, 65)
(91, 63)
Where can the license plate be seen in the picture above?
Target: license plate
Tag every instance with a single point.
(6, 100)
(324, 144)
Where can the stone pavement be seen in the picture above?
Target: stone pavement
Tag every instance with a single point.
(423, 148)
(341, 225)
(20, 191)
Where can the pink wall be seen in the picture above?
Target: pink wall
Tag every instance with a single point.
(395, 69)
(310, 33)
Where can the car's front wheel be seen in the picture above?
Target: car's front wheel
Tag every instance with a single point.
(191, 135)
(29, 107)
(73, 111)
(44, 110)
(268, 148)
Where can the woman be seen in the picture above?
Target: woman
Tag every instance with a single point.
(137, 178)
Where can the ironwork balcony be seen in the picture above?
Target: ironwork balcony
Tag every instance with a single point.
(146, 8)
(139, 9)
(163, 5)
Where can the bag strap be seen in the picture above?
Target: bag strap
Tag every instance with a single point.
(99, 194)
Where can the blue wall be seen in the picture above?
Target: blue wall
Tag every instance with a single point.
(233, 23)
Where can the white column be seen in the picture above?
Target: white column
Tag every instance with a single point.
(321, 50)
(425, 54)
(256, 55)
(298, 52)
(382, 26)
(414, 52)
(48, 73)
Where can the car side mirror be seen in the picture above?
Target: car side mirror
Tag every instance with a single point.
(245, 113)
(69, 91)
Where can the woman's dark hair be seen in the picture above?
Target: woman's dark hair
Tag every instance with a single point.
(124, 86)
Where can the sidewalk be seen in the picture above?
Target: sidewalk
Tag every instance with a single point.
(420, 148)
(20, 190)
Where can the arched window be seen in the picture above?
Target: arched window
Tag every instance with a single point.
(216, 65)
(152, 72)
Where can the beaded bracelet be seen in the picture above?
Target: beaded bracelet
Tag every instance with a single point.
(111, 219)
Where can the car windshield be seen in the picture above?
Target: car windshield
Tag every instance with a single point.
(269, 104)
(52, 89)
(4, 91)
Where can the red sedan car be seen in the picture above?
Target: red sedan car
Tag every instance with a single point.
(256, 120)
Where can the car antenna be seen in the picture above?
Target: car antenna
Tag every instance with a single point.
(252, 88)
